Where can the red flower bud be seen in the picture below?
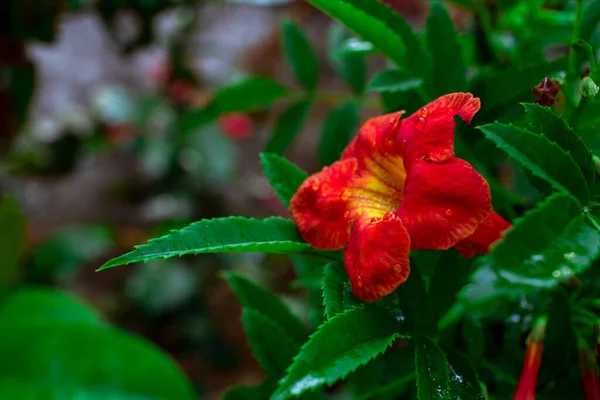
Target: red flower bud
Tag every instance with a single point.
(589, 372)
(546, 91)
(532, 361)
(236, 125)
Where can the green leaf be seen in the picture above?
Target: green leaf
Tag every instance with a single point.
(546, 122)
(449, 277)
(432, 371)
(341, 345)
(393, 81)
(260, 391)
(33, 305)
(253, 296)
(394, 389)
(565, 245)
(464, 382)
(12, 236)
(413, 301)
(350, 66)
(284, 176)
(545, 159)
(449, 71)
(231, 234)
(338, 129)
(337, 291)
(288, 126)
(271, 346)
(300, 55)
(380, 25)
(590, 19)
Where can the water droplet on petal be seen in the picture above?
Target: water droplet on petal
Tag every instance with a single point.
(423, 112)
(397, 267)
(390, 216)
(448, 212)
(316, 184)
(346, 214)
(359, 282)
(374, 220)
(360, 211)
(345, 195)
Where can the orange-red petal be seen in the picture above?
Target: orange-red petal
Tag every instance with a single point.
(443, 203)
(428, 134)
(487, 233)
(376, 258)
(319, 206)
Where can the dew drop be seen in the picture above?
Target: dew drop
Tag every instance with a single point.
(360, 211)
(359, 281)
(424, 112)
(448, 212)
(374, 220)
(389, 216)
(316, 184)
(397, 267)
(345, 195)
(347, 214)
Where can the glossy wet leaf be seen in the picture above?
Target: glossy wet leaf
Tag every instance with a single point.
(288, 125)
(433, 381)
(415, 304)
(464, 382)
(544, 158)
(337, 291)
(300, 55)
(339, 127)
(341, 345)
(231, 234)
(393, 81)
(284, 176)
(254, 297)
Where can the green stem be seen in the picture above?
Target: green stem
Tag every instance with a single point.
(576, 33)
(577, 113)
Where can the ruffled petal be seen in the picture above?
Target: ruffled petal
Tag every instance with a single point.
(487, 233)
(428, 134)
(443, 203)
(376, 258)
(319, 206)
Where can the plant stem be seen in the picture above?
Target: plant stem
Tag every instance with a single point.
(577, 112)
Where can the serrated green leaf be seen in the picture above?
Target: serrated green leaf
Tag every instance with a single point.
(40, 305)
(414, 303)
(350, 66)
(253, 296)
(341, 345)
(449, 277)
(546, 122)
(566, 245)
(12, 235)
(284, 176)
(273, 349)
(380, 25)
(338, 129)
(545, 159)
(393, 81)
(464, 382)
(300, 55)
(231, 234)
(449, 71)
(337, 291)
(288, 126)
(432, 371)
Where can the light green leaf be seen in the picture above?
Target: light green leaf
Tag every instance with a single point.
(337, 291)
(338, 129)
(546, 122)
(393, 81)
(350, 66)
(12, 236)
(300, 55)
(255, 297)
(449, 71)
(341, 345)
(545, 159)
(287, 128)
(432, 371)
(284, 176)
(231, 234)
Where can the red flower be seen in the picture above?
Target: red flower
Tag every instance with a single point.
(589, 372)
(531, 364)
(399, 187)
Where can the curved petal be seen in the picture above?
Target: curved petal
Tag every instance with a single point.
(487, 233)
(376, 258)
(319, 206)
(443, 203)
(429, 133)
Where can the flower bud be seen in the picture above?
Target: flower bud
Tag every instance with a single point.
(532, 361)
(546, 92)
(588, 88)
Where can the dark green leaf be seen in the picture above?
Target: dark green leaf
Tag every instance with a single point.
(260, 391)
(414, 303)
(473, 333)
(337, 291)
(253, 296)
(590, 19)
(231, 234)
(300, 55)
(566, 244)
(392, 390)
(432, 371)
(341, 345)
(449, 71)
(45, 306)
(246, 96)
(350, 66)
(12, 235)
(284, 176)
(338, 129)
(393, 81)
(464, 382)
(449, 277)
(271, 346)
(288, 126)
(546, 122)
(544, 158)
